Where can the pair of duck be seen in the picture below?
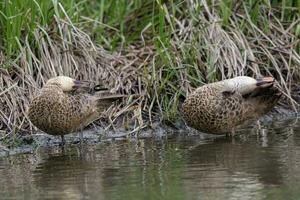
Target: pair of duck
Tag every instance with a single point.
(65, 105)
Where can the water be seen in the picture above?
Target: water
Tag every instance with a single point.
(251, 166)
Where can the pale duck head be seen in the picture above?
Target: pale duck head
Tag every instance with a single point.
(246, 84)
(66, 83)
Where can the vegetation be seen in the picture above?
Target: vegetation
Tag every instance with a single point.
(158, 49)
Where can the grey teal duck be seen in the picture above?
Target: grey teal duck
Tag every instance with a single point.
(65, 105)
(218, 108)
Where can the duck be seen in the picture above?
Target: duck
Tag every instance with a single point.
(65, 105)
(220, 107)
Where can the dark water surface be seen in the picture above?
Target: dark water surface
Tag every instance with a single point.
(251, 166)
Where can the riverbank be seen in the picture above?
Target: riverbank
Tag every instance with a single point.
(95, 134)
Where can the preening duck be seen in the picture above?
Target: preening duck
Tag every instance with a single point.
(65, 105)
(220, 107)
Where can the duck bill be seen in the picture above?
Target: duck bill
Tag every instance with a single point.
(82, 85)
(265, 81)
(88, 86)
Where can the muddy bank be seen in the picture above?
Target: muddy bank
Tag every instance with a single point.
(97, 134)
(94, 135)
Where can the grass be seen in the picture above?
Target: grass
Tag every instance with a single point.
(158, 49)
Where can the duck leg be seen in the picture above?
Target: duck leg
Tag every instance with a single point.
(63, 141)
(258, 125)
(231, 133)
(81, 135)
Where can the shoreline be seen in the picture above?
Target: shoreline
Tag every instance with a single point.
(94, 135)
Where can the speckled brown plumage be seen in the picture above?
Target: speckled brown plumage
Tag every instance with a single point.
(220, 107)
(59, 110)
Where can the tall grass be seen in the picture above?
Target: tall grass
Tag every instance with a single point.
(158, 49)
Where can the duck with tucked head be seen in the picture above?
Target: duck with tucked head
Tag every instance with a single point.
(65, 105)
(220, 107)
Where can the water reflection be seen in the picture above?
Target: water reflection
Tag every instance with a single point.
(72, 175)
(251, 166)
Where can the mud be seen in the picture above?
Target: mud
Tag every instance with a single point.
(28, 144)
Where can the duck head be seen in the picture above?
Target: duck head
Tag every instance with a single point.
(246, 84)
(68, 84)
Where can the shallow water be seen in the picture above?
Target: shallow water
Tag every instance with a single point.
(250, 166)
